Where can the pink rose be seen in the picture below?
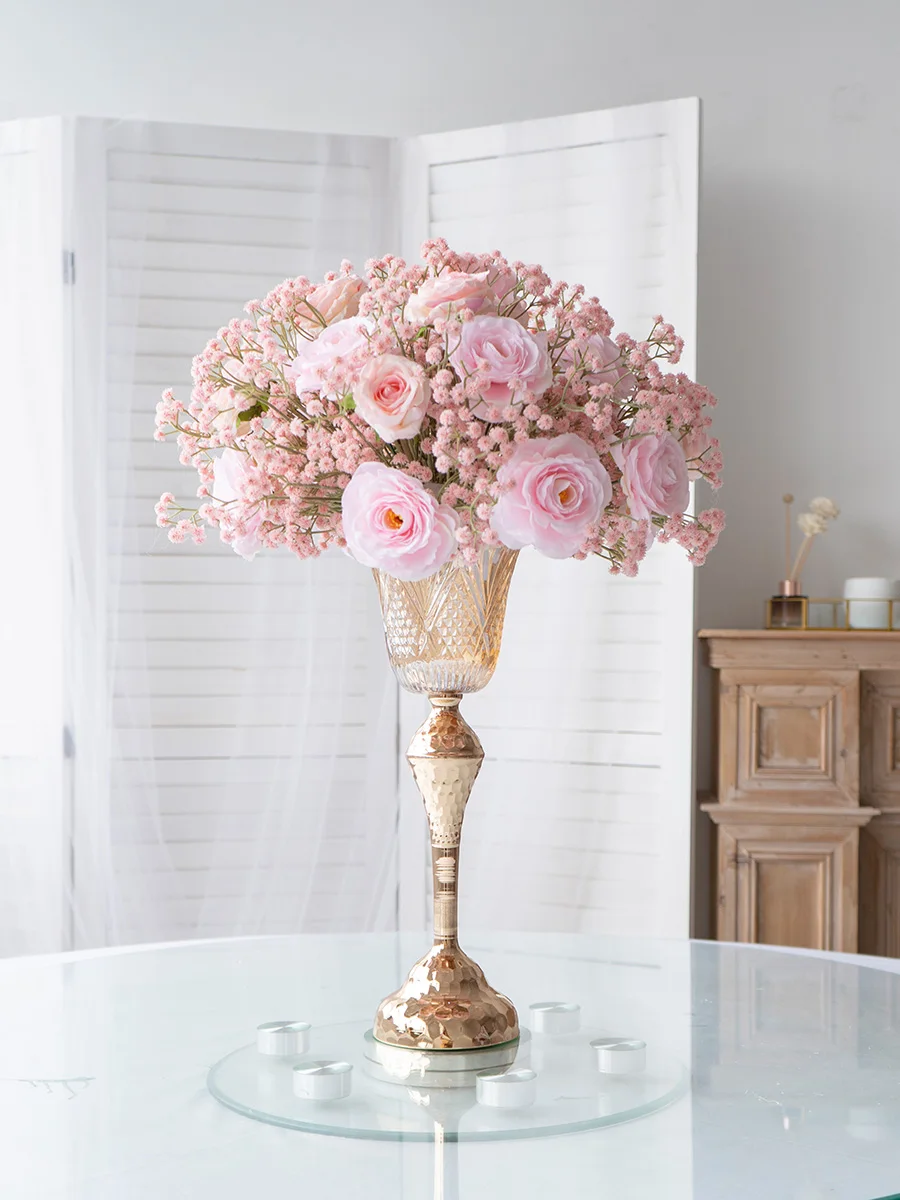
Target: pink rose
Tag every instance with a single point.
(447, 293)
(507, 359)
(654, 475)
(559, 489)
(392, 395)
(230, 479)
(334, 301)
(604, 363)
(391, 522)
(317, 357)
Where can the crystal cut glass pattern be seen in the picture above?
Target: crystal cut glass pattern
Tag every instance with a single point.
(443, 633)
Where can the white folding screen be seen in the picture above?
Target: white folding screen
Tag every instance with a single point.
(35, 781)
(581, 818)
(236, 739)
(248, 720)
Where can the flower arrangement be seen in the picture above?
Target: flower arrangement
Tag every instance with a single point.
(424, 411)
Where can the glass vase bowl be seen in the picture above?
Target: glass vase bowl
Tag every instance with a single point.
(443, 633)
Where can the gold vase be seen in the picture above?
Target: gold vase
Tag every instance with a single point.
(443, 639)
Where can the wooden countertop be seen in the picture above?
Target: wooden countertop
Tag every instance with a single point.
(806, 635)
(804, 649)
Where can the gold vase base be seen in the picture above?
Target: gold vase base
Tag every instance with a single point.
(446, 1004)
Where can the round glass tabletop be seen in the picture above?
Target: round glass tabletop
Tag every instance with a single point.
(794, 1064)
(554, 1085)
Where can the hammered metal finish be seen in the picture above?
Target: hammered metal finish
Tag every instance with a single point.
(443, 633)
(445, 757)
(446, 1004)
(443, 637)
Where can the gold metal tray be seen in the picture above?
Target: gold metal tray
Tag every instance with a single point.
(831, 612)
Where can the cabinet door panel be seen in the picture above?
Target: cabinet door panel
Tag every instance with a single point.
(789, 901)
(879, 886)
(880, 743)
(789, 737)
(788, 886)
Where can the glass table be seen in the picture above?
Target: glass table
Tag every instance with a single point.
(791, 1061)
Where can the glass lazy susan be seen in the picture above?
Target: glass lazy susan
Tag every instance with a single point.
(338, 1081)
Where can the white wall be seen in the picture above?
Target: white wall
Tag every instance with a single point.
(800, 233)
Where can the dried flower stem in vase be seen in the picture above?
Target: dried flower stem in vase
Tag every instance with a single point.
(812, 524)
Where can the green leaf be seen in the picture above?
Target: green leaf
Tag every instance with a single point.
(255, 410)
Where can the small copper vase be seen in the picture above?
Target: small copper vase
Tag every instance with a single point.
(443, 640)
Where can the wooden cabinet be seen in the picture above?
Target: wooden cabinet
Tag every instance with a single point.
(807, 804)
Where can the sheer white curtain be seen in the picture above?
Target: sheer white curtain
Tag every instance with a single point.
(192, 745)
(252, 716)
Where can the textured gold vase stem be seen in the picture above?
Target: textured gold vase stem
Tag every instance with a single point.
(445, 756)
(444, 875)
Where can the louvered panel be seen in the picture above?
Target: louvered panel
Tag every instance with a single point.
(207, 256)
(153, 340)
(198, 884)
(221, 741)
(219, 916)
(238, 770)
(220, 912)
(242, 852)
(212, 171)
(197, 568)
(579, 169)
(188, 228)
(192, 711)
(190, 594)
(242, 651)
(584, 801)
(231, 286)
(345, 210)
(221, 679)
(200, 625)
(243, 695)
(126, 452)
(216, 801)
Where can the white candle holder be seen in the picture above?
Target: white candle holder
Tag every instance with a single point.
(620, 1056)
(870, 602)
(323, 1080)
(554, 1017)
(283, 1038)
(508, 1089)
